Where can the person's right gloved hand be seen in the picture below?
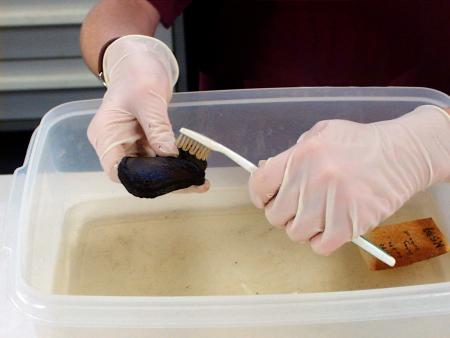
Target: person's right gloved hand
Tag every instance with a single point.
(343, 178)
(132, 120)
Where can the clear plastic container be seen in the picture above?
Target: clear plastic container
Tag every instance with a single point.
(61, 172)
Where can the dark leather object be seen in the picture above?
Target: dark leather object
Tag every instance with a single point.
(150, 177)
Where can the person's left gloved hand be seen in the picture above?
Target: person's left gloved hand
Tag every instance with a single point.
(343, 178)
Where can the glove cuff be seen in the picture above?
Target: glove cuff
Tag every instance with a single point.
(429, 126)
(437, 108)
(140, 43)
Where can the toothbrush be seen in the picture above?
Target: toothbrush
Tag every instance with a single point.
(200, 146)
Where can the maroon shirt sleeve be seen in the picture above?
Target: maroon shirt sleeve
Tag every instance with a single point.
(169, 10)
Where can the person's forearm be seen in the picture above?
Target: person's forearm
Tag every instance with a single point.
(114, 18)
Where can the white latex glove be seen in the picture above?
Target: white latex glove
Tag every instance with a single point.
(343, 178)
(140, 73)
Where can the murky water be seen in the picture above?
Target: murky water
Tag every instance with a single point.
(230, 251)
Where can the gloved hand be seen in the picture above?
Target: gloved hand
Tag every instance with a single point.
(343, 178)
(132, 120)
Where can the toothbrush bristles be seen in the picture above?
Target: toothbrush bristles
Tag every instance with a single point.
(192, 147)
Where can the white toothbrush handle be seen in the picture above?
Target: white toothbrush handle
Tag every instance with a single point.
(242, 161)
(375, 251)
(360, 241)
(250, 167)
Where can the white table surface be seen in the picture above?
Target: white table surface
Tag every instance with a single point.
(12, 325)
